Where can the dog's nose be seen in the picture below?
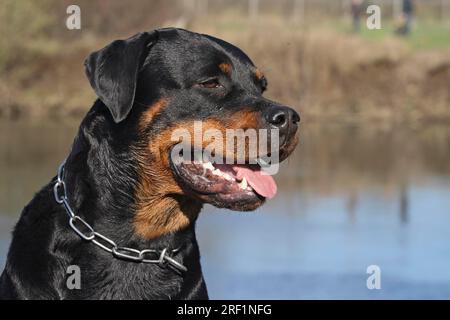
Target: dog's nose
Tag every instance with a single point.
(283, 118)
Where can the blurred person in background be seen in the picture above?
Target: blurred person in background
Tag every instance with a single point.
(406, 17)
(356, 7)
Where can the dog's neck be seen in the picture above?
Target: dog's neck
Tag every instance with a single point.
(105, 184)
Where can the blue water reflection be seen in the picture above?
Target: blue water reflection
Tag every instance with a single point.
(350, 197)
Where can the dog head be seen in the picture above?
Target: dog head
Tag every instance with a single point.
(192, 111)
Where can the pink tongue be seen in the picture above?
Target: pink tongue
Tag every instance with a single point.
(262, 183)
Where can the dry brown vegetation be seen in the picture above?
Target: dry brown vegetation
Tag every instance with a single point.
(326, 74)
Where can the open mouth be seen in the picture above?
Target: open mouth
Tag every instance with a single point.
(239, 187)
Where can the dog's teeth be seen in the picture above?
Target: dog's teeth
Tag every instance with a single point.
(217, 172)
(243, 184)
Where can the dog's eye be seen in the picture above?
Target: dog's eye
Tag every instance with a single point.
(212, 83)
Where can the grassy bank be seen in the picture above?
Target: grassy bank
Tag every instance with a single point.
(325, 71)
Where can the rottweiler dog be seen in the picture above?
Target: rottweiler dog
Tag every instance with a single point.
(118, 221)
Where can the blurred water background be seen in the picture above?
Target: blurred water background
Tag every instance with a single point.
(351, 196)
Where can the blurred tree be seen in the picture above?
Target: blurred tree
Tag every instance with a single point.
(22, 20)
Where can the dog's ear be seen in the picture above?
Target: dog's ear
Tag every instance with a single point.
(113, 71)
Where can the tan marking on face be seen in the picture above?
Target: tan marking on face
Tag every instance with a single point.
(243, 120)
(225, 68)
(259, 75)
(162, 206)
(153, 110)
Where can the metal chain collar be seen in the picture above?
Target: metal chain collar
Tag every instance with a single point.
(105, 243)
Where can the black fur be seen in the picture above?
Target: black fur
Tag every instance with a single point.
(102, 170)
(113, 72)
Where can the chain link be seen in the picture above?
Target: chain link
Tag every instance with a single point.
(86, 232)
